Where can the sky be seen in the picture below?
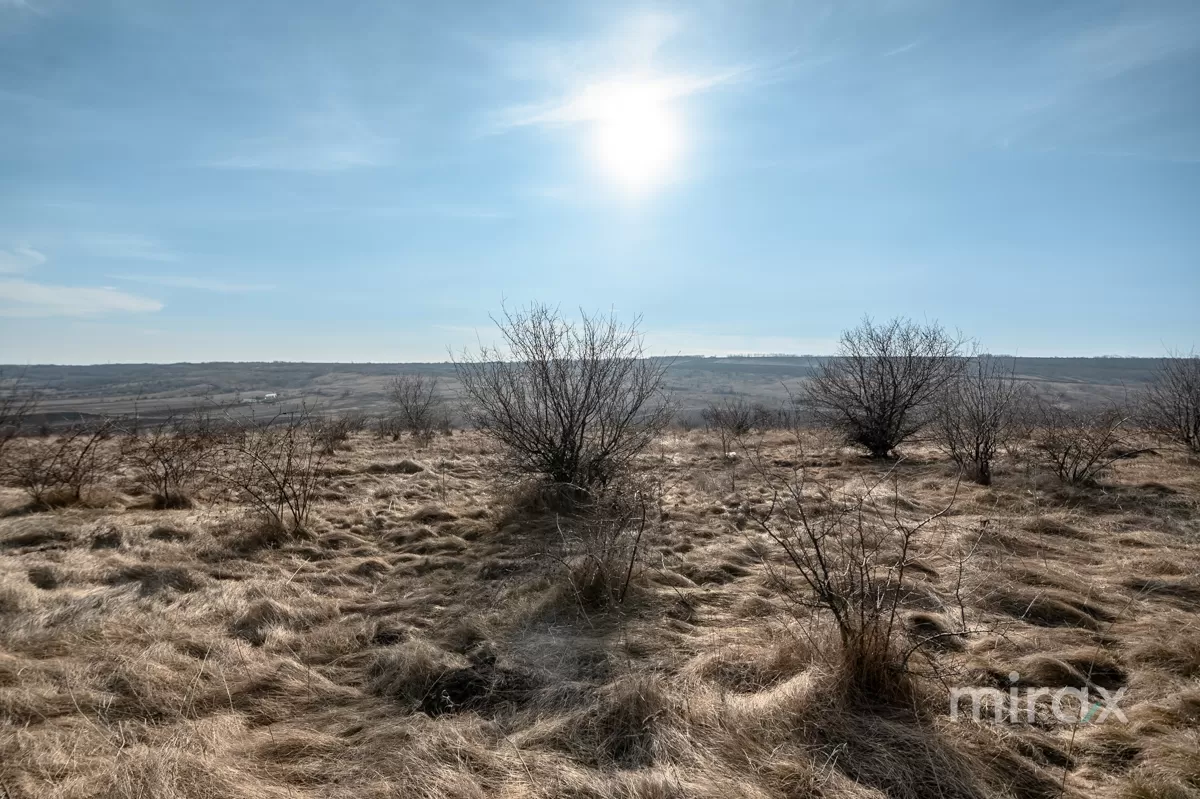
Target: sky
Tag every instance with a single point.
(368, 181)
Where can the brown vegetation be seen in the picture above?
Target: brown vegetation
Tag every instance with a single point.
(435, 633)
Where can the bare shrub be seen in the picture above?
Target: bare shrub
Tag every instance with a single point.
(602, 553)
(332, 432)
(419, 408)
(1170, 406)
(685, 422)
(574, 402)
(167, 458)
(730, 418)
(765, 417)
(389, 426)
(879, 387)
(16, 405)
(853, 553)
(975, 416)
(1079, 444)
(57, 469)
(275, 466)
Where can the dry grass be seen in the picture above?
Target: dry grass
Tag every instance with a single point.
(424, 640)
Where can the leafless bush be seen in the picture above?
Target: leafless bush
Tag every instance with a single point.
(573, 402)
(275, 465)
(57, 469)
(419, 408)
(685, 422)
(17, 403)
(730, 418)
(389, 426)
(168, 457)
(765, 417)
(879, 387)
(1170, 405)
(1079, 444)
(852, 553)
(332, 432)
(602, 553)
(976, 413)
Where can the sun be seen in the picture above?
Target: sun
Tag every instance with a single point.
(637, 135)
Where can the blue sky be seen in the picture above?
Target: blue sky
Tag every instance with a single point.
(368, 180)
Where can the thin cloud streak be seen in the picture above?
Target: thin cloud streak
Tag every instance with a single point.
(188, 282)
(121, 246)
(21, 258)
(25, 299)
(589, 103)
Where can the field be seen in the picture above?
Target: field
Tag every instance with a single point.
(437, 635)
(149, 389)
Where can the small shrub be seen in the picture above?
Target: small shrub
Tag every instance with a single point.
(731, 418)
(168, 458)
(56, 470)
(1170, 405)
(275, 466)
(853, 555)
(602, 554)
(420, 409)
(333, 432)
(1080, 444)
(975, 416)
(16, 405)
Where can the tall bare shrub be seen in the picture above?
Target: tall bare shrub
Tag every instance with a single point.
(1170, 405)
(572, 401)
(419, 407)
(880, 386)
(976, 415)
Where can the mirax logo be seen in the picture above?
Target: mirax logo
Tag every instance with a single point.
(1064, 705)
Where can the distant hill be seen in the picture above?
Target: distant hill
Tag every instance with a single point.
(694, 380)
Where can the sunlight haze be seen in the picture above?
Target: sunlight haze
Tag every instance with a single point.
(305, 181)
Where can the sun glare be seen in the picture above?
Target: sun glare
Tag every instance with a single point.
(637, 137)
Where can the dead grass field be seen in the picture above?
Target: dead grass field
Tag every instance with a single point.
(425, 642)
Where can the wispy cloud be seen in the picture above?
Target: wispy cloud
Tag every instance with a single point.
(332, 138)
(275, 156)
(594, 100)
(578, 79)
(199, 283)
(443, 210)
(1135, 41)
(20, 259)
(904, 48)
(125, 247)
(25, 299)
